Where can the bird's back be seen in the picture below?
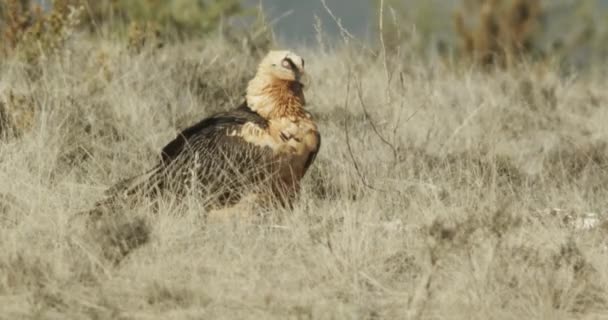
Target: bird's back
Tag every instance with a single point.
(210, 155)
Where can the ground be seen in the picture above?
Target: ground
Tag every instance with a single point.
(440, 192)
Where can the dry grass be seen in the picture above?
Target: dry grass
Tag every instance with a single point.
(424, 201)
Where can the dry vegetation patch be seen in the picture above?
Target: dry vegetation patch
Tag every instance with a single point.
(423, 201)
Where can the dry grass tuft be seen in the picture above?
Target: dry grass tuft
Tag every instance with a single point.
(585, 163)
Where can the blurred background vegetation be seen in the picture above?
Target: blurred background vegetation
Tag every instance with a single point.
(500, 32)
(485, 32)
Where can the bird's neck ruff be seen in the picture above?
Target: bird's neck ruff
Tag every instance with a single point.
(273, 98)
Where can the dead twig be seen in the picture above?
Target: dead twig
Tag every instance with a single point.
(373, 125)
(347, 135)
(346, 35)
(387, 73)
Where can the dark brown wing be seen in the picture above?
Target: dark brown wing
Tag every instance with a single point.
(208, 153)
(313, 155)
(209, 127)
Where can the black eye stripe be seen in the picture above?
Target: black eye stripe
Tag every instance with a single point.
(302, 62)
(292, 65)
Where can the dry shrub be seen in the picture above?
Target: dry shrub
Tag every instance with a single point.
(94, 127)
(504, 32)
(466, 168)
(563, 275)
(324, 186)
(17, 115)
(586, 163)
(22, 270)
(488, 169)
(402, 266)
(167, 296)
(519, 272)
(142, 35)
(5, 121)
(11, 209)
(572, 160)
(114, 232)
(537, 96)
(32, 33)
(454, 234)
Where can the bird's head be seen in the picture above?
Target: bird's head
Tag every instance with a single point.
(277, 88)
(282, 65)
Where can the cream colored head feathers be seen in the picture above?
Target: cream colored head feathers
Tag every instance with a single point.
(276, 90)
(282, 65)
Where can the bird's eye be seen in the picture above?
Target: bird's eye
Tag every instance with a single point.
(287, 63)
(302, 63)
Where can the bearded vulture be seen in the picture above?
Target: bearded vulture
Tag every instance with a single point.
(263, 147)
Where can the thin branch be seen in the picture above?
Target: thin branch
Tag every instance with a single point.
(402, 104)
(384, 60)
(372, 124)
(345, 33)
(348, 145)
(270, 24)
(398, 121)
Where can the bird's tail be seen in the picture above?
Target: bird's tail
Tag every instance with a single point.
(142, 183)
(123, 192)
